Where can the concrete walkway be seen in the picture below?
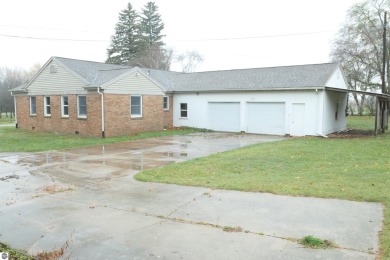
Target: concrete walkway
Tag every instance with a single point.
(88, 198)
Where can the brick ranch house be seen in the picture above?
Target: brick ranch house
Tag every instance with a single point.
(98, 99)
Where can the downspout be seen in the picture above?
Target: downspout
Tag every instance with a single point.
(16, 118)
(102, 100)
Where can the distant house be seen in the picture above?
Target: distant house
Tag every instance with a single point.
(95, 99)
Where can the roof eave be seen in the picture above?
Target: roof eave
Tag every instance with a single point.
(247, 90)
(359, 92)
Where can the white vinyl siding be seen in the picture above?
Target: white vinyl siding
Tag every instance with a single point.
(33, 106)
(136, 106)
(134, 83)
(47, 106)
(60, 82)
(315, 111)
(82, 106)
(64, 106)
(166, 103)
(224, 116)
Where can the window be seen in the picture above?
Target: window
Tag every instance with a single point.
(47, 111)
(183, 109)
(166, 103)
(81, 106)
(64, 106)
(33, 106)
(337, 111)
(136, 106)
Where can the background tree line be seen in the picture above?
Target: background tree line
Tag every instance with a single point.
(9, 79)
(358, 46)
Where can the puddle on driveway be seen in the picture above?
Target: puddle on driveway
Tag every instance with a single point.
(104, 162)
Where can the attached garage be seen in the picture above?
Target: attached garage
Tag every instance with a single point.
(224, 116)
(290, 100)
(266, 118)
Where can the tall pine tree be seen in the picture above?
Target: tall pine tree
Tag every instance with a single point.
(138, 39)
(127, 41)
(152, 24)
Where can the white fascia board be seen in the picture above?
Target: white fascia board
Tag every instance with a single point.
(38, 73)
(338, 67)
(61, 64)
(246, 90)
(71, 71)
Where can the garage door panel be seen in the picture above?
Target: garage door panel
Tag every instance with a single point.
(224, 116)
(266, 118)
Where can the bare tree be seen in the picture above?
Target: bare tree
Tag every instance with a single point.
(189, 60)
(12, 78)
(9, 79)
(358, 47)
(370, 105)
(153, 57)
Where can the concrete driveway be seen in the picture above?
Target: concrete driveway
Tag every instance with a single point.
(87, 198)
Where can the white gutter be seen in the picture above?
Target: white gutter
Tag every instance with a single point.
(102, 99)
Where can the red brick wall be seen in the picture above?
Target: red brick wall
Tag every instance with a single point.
(117, 115)
(119, 122)
(90, 126)
(168, 114)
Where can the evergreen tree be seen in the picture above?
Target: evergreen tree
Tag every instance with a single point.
(152, 24)
(138, 39)
(127, 40)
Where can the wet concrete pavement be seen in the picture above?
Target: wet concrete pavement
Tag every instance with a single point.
(88, 198)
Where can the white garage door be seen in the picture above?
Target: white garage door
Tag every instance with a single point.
(266, 118)
(224, 116)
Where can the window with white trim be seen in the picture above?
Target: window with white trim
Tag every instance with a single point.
(33, 106)
(166, 103)
(82, 106)
(64, 106)
(136, 106)
(183, 110)
(47, 110)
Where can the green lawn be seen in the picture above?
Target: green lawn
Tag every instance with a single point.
(19, 140)
(354, 169)
(6, 120)
(361, 122)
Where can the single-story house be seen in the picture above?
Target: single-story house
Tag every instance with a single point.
(98, 99)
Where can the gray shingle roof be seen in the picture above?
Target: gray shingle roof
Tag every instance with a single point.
(95, 73)
(286, 77)
(20, 88)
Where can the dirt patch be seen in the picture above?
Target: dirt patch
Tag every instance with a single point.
(54, 188)
(55, 254)
(352, 133)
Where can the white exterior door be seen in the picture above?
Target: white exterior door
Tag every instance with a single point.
(298, 120)
(224, 116)
(266, 118)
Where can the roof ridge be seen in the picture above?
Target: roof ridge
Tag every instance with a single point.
(272, 67)
(98, 62)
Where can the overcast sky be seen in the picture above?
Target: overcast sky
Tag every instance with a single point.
(229, 34)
